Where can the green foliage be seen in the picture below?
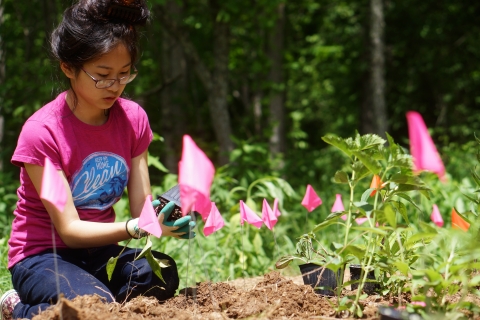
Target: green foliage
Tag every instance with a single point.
(235, 250)
(368, 156)
(306, 252)
(5, 276)
(448, 269)
(326, 66)
(8, 200)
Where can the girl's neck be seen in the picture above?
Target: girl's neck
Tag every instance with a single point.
(86, 115)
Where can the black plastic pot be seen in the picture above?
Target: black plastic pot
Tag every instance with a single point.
(312, 275)
(391, 313)
(355, 274)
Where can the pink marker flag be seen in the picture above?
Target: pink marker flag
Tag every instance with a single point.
(53, 189)
(338, 206)
(359, 221)
(268, 215)
(148, 220)
(423, 150)
(311, 200)
(276, 211)
(214, 221)
(195, 176)
(247, 214)
(203, 206)
(436, 216)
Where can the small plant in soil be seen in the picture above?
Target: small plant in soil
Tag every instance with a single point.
(449, 270)
(379, 244)
(155, 264)
(449, 273)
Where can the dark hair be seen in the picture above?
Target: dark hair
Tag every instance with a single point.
(91, 28)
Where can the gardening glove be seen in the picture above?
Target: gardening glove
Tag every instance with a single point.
(134, 230)
(180, 228)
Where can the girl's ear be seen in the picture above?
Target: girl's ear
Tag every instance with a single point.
(68, 70)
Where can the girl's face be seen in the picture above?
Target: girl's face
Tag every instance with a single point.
(92, 102)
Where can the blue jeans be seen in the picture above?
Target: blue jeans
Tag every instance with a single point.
(83, 272)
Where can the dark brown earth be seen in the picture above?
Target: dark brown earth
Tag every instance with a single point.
(269, 297)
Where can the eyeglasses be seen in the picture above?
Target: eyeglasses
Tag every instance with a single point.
(107, 83)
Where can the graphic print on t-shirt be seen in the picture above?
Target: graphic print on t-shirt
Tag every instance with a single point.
(100, 181)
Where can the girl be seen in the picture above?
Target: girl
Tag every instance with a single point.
(98, 143)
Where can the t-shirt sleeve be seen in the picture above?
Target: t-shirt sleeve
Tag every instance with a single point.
(35, 143)
(144, 133)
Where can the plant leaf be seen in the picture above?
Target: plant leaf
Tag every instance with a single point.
(411, 187)
(325, 224)
(390, 215)
(338, 142)
(402, 267)
(424, 237)
(147, 248)
(363, 206)
(366, 194)
(408, 198)
(283, 262)
(112, 262)
(340, 177)
(335, 215)
(373, 230)
(155, 162)
(368, 161)
(155, 265)
(400, 207)
(361, 171)
(355, 250)
(369, 140)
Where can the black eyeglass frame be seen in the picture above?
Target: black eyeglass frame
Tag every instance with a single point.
(128, 78)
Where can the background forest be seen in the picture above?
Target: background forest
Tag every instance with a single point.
(258, 83)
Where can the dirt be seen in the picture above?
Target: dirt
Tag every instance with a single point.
(176, 213)
(272, 296)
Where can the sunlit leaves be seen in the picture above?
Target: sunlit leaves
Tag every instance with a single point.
(341, 177)
(111, 264)
(155, 264)
(339, 143)
(390, 215)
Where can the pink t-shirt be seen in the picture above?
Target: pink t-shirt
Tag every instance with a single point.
(95, 159)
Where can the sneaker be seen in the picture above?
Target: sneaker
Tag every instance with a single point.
(7, 303)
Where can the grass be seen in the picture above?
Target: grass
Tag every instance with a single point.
(5, 277)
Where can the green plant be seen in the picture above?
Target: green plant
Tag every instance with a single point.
(449, 269)
(235, 251)
(395, 257)
(306, 252)
(448, 274)
(155, 264)
(5, 276)
(8, 200)
(382, 205)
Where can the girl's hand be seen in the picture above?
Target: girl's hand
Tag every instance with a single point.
(180, 228)
(134, 230)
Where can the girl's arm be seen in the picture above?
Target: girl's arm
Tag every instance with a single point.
(138, 184)
(74, 232)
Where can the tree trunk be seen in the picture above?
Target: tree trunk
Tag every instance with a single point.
(218, 93)
(377, 68)
(276, 77)
(2, 80)
(173, 66)
(215, 82)
(258, 112)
